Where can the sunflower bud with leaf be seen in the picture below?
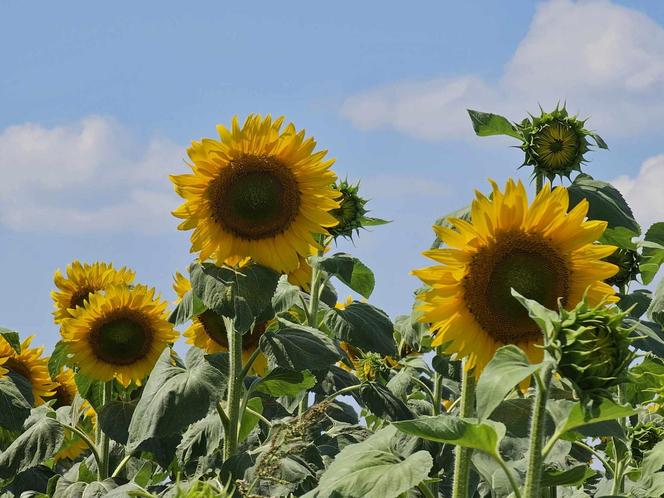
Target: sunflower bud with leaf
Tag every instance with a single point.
(351, 213)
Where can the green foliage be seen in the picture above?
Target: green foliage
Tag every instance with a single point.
(363, 326)
(15, 401)
(350, 270)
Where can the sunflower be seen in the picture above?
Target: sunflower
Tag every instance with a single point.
(66, 389)
(208, 332)
(30, 364)
(83, 279)
(119, 333)
(542, 251)
(259, 192)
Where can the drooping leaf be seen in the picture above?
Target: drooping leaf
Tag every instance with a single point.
(382, 403)
(605, 202)
(200, 439)
(373, 469)
(42, 437)
(15, 401)
(649, 336)
(637, 302)
(114, 419)
(12, 338)
(175, 396)
(656, 308)
(570, 415)
(507, 368)
(363, 326)
(350, 270)
(58, 359)
(466, 432)
(188, 307)
(487, 124)
(286, 295)
(652, 256)
(285, 382)
(249, 420)
(32, 480)
(299, 348)
(570, 477)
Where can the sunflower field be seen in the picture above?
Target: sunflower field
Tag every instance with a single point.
(531, 364)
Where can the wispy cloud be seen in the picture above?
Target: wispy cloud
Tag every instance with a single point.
(605, 60)
(643, 192)
(89, 176)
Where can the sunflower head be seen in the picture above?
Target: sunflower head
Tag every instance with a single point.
(592, 347)
(554, 143)
(541, 250)
(260, 191)
(66, 389)
(30, 364)
(119, 333)
(627, 261)
(81, 280)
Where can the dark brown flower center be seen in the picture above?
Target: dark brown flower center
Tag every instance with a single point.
(213, 325)
(17, 366)
(121, 338)
(79, 297)
(254, 197)
(515, 260)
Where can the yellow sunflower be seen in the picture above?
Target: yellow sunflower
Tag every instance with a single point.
(542, 250)
(259, 192)
(119, 334)
(30, 364)
(83, 279)
(208, 332)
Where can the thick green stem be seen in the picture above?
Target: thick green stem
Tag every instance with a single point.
(105, 441)
(539, 182)
(86, 439)
(462, 455)
(535, 454)
(437, 393)
(234, 387)
(121, 465)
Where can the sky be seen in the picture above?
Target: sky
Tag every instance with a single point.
(99, 101)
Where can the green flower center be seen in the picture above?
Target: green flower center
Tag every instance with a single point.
(515, 260)
(121, 339)
(254, 197)
(556, 146)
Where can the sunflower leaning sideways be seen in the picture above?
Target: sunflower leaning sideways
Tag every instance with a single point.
(540, 249)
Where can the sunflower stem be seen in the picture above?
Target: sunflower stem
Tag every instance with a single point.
(539, 182)
(86, 439)
(462, 455)
(535, 454)
(105, 440)
(234, 387)
(437, 393)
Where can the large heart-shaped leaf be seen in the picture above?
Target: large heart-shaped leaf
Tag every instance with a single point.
(373, 469)
(299, 348)
(363, 326)
(175, 396)
(15, 401)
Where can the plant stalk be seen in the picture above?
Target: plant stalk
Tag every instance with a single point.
(462, 455)
(535, 454)
(105, 441)
(437, 393)
(234, 387)
(539, 182)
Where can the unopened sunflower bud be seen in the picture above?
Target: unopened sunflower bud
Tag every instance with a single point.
(627, 261)
(555, 143)
(351, 212)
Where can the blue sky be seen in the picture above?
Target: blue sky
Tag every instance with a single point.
(99, 102)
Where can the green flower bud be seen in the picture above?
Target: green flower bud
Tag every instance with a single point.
(351, 212)
(555, 143)
(591, 345)
(627, 261)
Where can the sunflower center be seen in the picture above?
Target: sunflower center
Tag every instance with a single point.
(17, 366)
(254, 197)
(63, 396)
(556, 146)
(516, 260)
(122, 339)
(79, 297)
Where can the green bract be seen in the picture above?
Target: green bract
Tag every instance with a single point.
(644, 436)
(351, 212)
(627, 261)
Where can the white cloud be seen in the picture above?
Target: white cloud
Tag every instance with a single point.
(645, 192)
(605, 60)
(85, 177)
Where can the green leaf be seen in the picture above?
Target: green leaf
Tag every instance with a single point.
(15, 401)
(200, 439)
(188, 307)
(606, 202)
(249, 420)
(30, 483)
(466, 432)
(486, 124)
(243, 294)
(373, 469)
(90, 389)
(299, 348)
(383, 403)
(570, 477)
(285, 382)
(286, 296)
(598, 140)
(638, 301)
(175, 396)
(656, 308)
(368, 221)
(350, 270)
(543, 317)
(650, 336)
(570, 415)
(363, 326)
(12, 338)
(58, 359)
(652, 256)
(41, 439)
(507, 368)
(620, 237)
(114, 419)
